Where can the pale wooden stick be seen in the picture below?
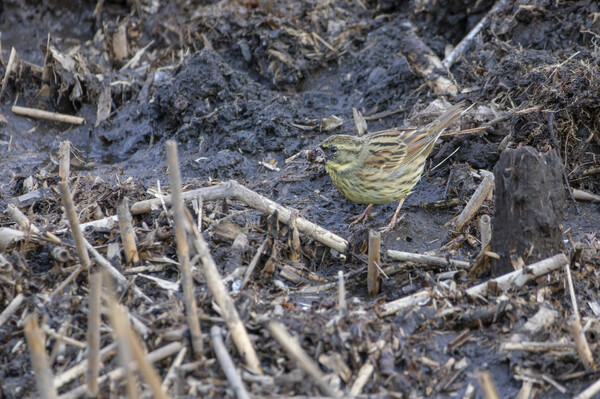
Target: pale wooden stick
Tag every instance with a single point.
(124, 332)
(127, 233)
(12, 307)
(80, 368)
(9, 237)
(583, 349)
(485, 229)
(64, 160)
(120, 46)
(287, 216)
(295, 351)
(225, 302)
(253, 262)
(20, 218)
(67, 281)
(63, 338)
(486, 383)
(171, 374)
(74, 224)
(187, 281)
(526, 391)
(227, 364)
(107, 223)
(469, 392)
(585, 195)
(425, 62)
(119, 373)
(538, 346)
(51, 116)
(518, 278)
(482, 192)
(125, 356)
(121, 280)
(93, 333)
(39, 359)
(465, 43)
(341, 293)
(590, 392)
(234, 190)
(10, 66)
(571, 290)
(426, 259)
(374, 263)
(404, 303)
(58, 349)
(363, 376)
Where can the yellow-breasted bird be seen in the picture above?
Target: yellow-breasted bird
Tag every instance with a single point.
(382, 167)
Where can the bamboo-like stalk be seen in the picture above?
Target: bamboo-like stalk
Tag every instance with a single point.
(80, 368)
(67, 201)
(12, 307)
(426, 259)
(126, 337)
(480, 195)
(22, 220)
(39, 359)
(374, 263)
(217, 288)
(341, 293)
(583, 349)
(227, 364)
(51, 116)
(64, 160)
(187, 281)
(127, 233)
(93, 333)
(120, 372)
(486, 383)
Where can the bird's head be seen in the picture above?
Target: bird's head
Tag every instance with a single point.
(341, 152)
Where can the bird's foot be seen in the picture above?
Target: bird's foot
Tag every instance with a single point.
(395, 220)
(363, 216)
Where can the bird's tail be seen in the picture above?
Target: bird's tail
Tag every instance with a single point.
(447, 118)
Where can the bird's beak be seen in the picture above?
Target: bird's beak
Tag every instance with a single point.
(316, 155)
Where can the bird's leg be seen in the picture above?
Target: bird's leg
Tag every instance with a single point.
(395, 218)
(363, 216)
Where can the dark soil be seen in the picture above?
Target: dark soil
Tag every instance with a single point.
(243, 88)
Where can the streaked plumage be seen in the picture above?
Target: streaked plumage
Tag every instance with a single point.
(383, 167)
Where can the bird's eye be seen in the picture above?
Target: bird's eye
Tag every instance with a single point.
(333, 149)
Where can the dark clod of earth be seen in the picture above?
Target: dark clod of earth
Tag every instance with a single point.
(253, 285)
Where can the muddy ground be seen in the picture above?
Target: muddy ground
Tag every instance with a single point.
(244, 88)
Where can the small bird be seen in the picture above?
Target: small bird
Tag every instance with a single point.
(382, 167)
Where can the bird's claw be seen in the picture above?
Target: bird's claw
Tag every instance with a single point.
(362, 217)
(395, 220)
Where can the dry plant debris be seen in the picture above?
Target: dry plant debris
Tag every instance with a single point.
(278, 281)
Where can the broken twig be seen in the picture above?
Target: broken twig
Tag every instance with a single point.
(236, 191)
(51, 116)
(227, 364)
(374, 263)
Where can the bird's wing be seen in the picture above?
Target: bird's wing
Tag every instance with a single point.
(419, 142)
(386, 151)
(390, 150)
